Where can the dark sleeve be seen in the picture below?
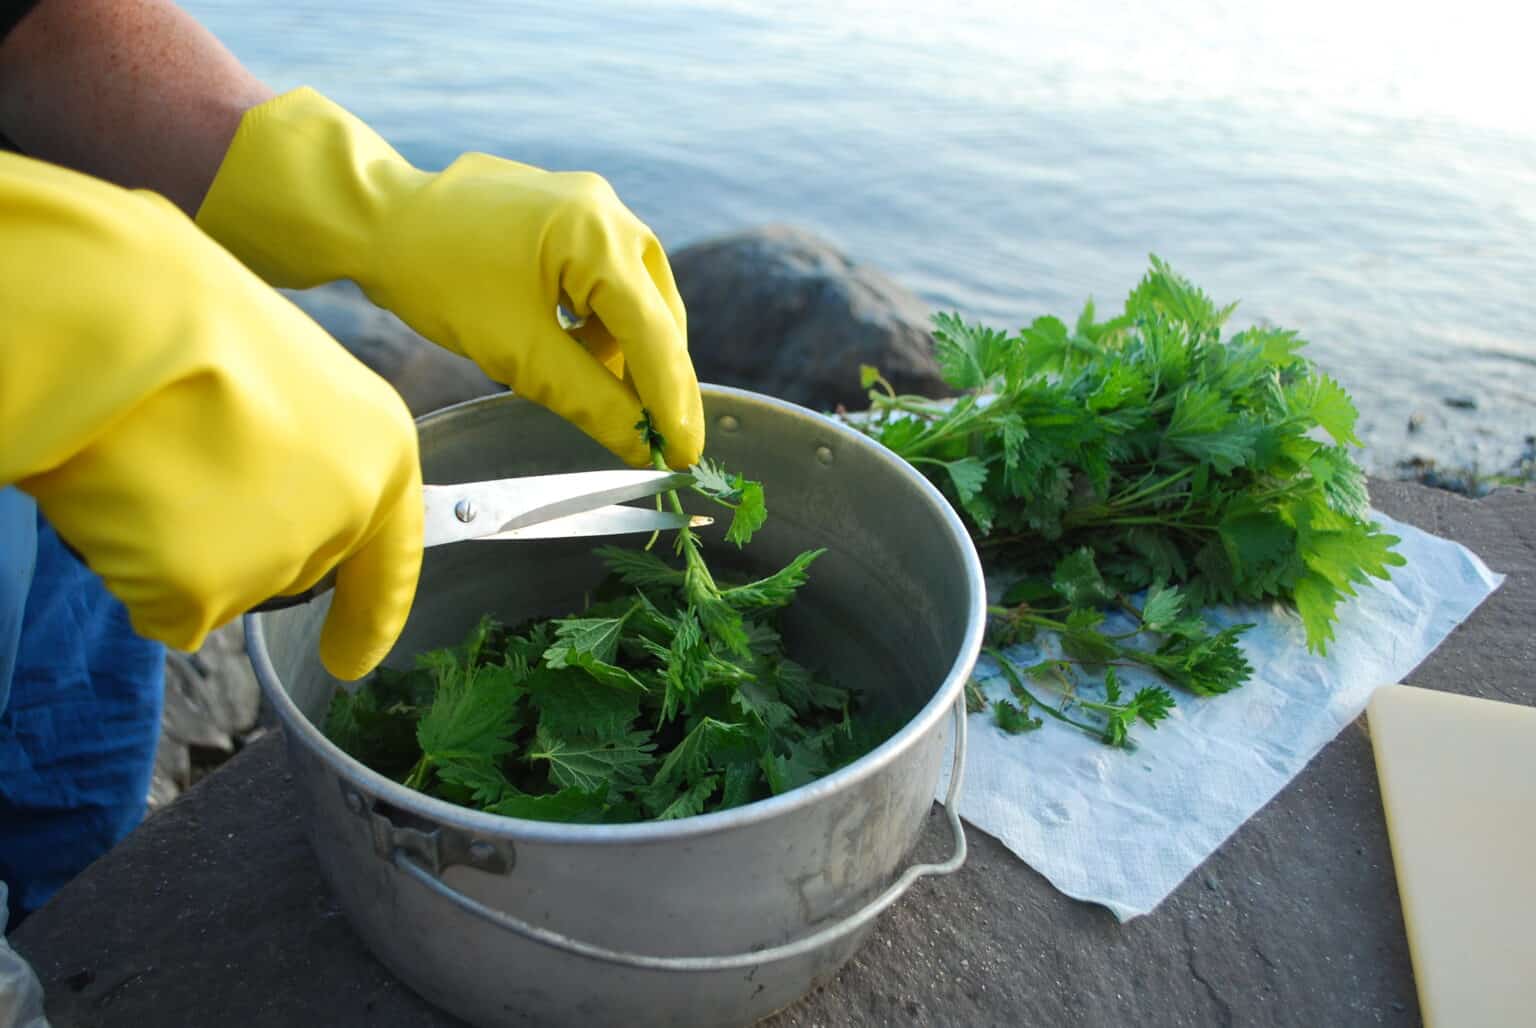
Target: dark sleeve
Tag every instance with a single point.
(11, 12)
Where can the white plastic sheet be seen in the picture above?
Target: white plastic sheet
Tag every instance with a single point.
(1125, 828)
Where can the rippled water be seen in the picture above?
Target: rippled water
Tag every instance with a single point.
(1364, 173)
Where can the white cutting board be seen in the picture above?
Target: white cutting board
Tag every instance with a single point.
(1458, 781)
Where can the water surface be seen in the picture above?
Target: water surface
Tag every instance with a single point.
(1364, 173)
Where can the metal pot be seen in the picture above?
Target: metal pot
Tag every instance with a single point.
(718, 919)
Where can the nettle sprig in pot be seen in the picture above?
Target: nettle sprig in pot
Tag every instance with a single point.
(669, 695)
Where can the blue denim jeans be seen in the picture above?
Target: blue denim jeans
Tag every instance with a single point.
(80, 699)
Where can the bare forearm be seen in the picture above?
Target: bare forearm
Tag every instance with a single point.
(132, 91)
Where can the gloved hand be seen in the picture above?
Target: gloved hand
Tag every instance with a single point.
(475, 258)
(191, 433)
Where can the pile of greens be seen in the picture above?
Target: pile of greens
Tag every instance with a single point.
(670, 695)
(1145, 452)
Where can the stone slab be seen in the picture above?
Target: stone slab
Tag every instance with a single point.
(213, 911)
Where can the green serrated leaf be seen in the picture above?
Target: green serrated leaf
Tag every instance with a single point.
(475, 711)
(969, 476)
(570, 706)
(1111, 685)
(640, 568)
(1323, 401)
(691, 801)
(589, 765)
(480, 777)
(1013, 720)
(1161, 608)
(1078, 582)
(572, 806)
(689, 760)
(576, 637)
(750, 514)
(711, 478)
(801, 766)
(741, 785)
(777, 590)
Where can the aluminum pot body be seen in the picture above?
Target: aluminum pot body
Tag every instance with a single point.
(895, 608)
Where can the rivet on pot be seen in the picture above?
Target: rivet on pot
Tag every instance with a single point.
(481, 852)
(824, 454)
(355, 802)
(728, 423)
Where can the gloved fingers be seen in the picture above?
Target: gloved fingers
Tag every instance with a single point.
(376, 586)
(656, 355)
(564, 376)
(594, 335)
(655, 260)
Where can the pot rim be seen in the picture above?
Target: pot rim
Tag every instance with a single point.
(301, 729)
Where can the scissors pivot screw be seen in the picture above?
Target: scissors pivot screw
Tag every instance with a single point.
(464, 510)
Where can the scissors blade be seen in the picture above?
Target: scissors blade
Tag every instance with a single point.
(473, 510)
(603, 521)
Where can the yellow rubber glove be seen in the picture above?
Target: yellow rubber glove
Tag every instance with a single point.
(191, 433)
(475, 258)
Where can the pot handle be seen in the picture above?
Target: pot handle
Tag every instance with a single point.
(555, 940)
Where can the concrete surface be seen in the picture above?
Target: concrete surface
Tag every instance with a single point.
(213, 911)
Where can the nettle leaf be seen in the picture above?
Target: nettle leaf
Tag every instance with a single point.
(899, 434)
(685, 663)
(1342, 480)
(802, 765)
(720, 621)
(741, 785)
(777, 590)
(1162, 608)
(1045, 346)
(1111, 686)
(640, 568)
(689, 760)
(590, 765)
(969, 476)
(1205, 428)
(1164, 291)
(750, 514)
(594, 637)
(475, 711)
(1035, 590)
(711, 479)
(968, 355)
(758, 701)
(480, 776)
(1015, 435)
(1013, 720)
(691, 801)
(1322, 400)
(804, 692)
(1255, 539)
(568, 705)
(573, 806)
(1077, 580)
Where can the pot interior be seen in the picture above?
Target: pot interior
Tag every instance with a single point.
(887, 610)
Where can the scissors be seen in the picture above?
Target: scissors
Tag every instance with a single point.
(585, 503)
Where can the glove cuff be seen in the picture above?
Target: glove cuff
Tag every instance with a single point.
(303, 191)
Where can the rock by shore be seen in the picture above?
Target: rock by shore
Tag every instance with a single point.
(783, 312)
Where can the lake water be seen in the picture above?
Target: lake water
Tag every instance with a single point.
(1364, 173)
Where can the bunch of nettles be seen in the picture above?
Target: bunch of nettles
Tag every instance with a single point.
(670, 695)
(1094, 461)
